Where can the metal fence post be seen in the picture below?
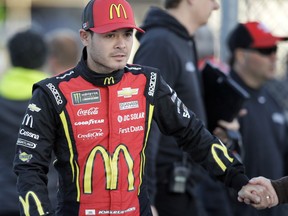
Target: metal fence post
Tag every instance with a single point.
(229, 18)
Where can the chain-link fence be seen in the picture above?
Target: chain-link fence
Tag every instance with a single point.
(273, 13)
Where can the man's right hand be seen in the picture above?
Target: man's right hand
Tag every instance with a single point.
(259, 193)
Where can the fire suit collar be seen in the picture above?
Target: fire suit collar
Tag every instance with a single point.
(96, 78)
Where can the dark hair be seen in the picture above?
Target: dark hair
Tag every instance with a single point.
(27, 49)
(171, 3)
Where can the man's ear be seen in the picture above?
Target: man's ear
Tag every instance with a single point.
(84, 36)
(240, 56)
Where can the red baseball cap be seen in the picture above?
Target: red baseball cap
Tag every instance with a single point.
(102, 16)
(252, 35)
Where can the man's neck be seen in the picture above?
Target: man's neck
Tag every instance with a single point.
(183, 17)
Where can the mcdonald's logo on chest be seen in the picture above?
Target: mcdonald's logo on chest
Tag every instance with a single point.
(109, 81)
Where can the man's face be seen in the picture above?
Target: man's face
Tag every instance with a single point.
(203, 10)
(108, 52)
(260, 64)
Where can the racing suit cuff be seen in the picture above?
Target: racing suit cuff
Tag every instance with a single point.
(239, 181)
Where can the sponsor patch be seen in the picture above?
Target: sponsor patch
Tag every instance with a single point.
(33, 108)
(109, 81)
(88, 112)
(89, 122)
(55, 93)
(26, 143)
(131, 129)
(152, 84)
(127, 92)
(90, 212)
(86, 97)
(67, 74)
(116, 212)
(23, 156)
(129, 105)
(29, 134)
(91, 134)
(28, 120)
(130, 117)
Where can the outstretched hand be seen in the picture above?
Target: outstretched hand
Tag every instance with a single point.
(259, 193)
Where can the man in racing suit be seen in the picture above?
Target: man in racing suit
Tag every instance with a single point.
(96, 118)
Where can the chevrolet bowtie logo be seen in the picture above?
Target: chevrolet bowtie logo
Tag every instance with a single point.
(127, 92)
(33, 107)
(118, 8)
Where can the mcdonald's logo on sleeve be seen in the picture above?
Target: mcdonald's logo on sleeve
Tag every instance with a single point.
(222, 148)
(26, 203)
(118, 9)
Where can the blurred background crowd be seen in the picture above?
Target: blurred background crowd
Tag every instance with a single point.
(49, 15)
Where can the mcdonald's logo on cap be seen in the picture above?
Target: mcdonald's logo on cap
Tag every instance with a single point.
(118, 8)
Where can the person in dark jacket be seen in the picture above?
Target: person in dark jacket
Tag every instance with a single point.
(264, 128)
(168, 44)
(28, 51)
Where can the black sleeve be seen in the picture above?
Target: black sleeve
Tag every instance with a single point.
(33, 154)
(174, 118)
(151, 154)
(281, 188)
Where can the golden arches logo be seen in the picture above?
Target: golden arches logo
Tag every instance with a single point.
(110, 166)
(26, 205)
(216, 157)
(118, 8)
(109, 80)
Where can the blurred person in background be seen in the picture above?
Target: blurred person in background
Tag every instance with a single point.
(204, 41)
(64, 50)
(27, 51)
(278, 88)
(168, 44)
(264, 129)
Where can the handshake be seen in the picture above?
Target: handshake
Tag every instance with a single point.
(259, 193)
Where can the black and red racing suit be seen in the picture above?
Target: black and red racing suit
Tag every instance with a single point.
(98, 126)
